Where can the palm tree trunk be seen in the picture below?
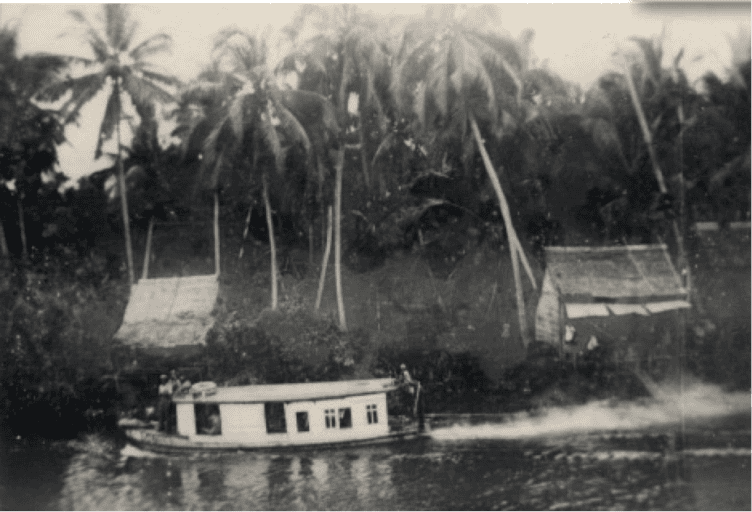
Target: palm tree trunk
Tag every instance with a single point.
(272, 244)
(338, 236)
(147, 252)
(325, 259)
(124, 194)
(515, 248)
(22, 225)
(682, 263)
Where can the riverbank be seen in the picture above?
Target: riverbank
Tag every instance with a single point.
(62, 374)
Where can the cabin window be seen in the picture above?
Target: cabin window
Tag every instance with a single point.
(372, 414)
(330, 418)
(345, 418)
(208, 420)
(275, 418)
(302, 419)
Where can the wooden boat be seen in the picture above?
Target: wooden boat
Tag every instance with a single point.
(280, 416)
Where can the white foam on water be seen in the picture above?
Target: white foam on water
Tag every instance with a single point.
(136, 453)
(670, 405)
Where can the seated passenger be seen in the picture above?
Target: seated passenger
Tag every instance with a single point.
(213, 425)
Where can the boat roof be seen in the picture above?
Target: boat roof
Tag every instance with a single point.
(293, 392)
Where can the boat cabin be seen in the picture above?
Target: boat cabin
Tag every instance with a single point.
(286, 414)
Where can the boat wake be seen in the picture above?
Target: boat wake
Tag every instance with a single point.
(669, 407)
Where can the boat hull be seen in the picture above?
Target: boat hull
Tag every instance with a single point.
(159, 442)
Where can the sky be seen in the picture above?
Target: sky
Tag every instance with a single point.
(574, 40)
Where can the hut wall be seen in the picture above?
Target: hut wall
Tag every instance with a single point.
(547, 321)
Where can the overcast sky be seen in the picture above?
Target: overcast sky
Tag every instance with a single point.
(575, 40)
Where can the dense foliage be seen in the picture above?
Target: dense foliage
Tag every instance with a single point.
(374, 117)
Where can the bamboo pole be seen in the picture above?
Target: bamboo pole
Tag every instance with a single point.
(147, 252)
(514, 245)
(216, 233)
(324, 260)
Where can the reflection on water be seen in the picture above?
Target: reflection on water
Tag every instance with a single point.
(585, 471)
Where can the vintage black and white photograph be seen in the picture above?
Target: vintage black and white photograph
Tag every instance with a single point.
(374, 256)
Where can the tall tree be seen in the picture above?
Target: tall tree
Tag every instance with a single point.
(344, 58)
(28, 134)
(251, 117)
(122, 67)
(454, 71)
(344, 53)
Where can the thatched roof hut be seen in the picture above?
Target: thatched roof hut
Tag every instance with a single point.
(169, 312)
(605, 283)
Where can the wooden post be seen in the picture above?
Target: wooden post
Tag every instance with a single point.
(216, 232)
(147, 253)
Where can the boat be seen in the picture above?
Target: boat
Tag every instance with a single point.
(280, 416)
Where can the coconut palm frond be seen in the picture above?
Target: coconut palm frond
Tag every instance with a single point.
(420, 103)
(652, 55)
(127, 38)
(291, 125)
(93, 38)
(385, 145)
(115, 23)
(144, 91)
(438, 78)
(210, 143)
(84, 89)
(109, 122)
(236, 115)
(155, 44)
(156, 76)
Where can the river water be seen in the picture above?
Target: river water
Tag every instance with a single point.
(627, 456)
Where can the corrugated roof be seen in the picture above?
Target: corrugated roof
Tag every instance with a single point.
(169, 312)
(294, 392)
(623, 272)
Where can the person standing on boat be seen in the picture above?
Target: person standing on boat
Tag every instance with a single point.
(185, 385)
(405, 379)
(175, 384)
(164, 402)
(409, 385)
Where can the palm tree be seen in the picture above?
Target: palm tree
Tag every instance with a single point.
(28, 133)
(345, 56)
(253, 118)
(451, 73)
(121, 67)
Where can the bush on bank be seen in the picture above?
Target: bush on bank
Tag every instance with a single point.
(58, 317)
